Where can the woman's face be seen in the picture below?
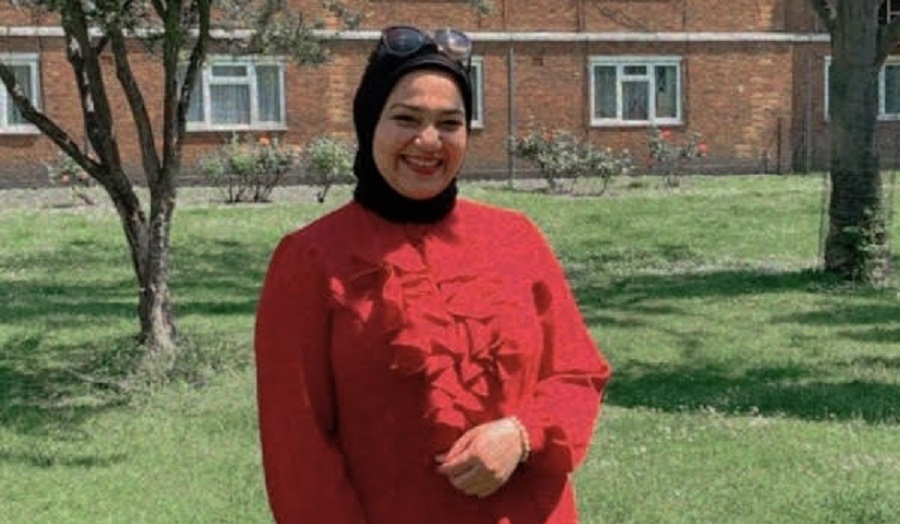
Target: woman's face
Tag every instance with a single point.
(421, 136)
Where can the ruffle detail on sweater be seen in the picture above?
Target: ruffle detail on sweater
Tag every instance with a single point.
(465, 335)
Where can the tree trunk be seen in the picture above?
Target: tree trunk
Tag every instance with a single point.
(148, 243)
(155, 307)
(856, 247)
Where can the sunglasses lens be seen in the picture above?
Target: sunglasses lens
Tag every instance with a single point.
(403, 40)
(455, 43)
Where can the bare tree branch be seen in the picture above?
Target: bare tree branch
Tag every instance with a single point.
(173, 42)
(139, 114)
(195, 62)
(45, 124)
(100, 44)
(160, 9)
(89, 78)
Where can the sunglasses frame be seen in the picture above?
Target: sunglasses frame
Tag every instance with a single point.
(441, 39)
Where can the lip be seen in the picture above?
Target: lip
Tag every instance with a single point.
(422, 166)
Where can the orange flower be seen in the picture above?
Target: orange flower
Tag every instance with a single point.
(264, 141)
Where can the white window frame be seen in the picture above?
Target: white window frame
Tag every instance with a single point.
(893, 9)
(20, 59)
(893, 61)
(206, 80)
(478, 91)
(622, 61)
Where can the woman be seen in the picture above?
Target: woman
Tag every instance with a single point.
(420, 358)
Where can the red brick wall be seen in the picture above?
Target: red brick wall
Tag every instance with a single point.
(589, 15)
(747, 99)
(685, 15)
(558, 15)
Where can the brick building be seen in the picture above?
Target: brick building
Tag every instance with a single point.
(746, 74)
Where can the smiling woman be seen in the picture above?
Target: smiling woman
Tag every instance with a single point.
(421, 358)
(421, 136)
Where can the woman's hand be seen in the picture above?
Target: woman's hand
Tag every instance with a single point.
(483, 459)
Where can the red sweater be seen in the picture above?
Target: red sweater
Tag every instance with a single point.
(379, 344)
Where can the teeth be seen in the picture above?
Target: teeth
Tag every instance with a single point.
(419, 162)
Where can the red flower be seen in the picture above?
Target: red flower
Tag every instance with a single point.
(666, 134)
(702, 149)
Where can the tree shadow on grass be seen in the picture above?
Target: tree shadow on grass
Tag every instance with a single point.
(45, 389)
(210, 277)
(659, 294)
(48, 400)
(48, 458)
(814, 391)
(802, 392)
(51, 389)
(219, 277)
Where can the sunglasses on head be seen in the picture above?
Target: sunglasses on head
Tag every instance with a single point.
(404, 40)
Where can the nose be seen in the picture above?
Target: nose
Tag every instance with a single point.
(429, 138)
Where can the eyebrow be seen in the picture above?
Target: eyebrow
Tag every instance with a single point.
(401, 105)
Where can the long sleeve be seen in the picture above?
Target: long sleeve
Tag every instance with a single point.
(304, 467)
(560, 414)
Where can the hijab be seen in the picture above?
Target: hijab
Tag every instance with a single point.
(382, 73)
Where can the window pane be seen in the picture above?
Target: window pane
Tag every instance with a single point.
(476, 93)
(666, 92)
(634, 98)
(635, 70)
(23, 77)
(892, 90)
(230, 104)
(604, 92)
(195, 107)
(268, 92)
(229, 70)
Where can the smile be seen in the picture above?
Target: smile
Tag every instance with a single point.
(423, 165)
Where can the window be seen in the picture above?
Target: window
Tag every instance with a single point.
(888, 89)
(477, 76)
(25, 69)
(635, 90)
(889, 10)
(238, 93)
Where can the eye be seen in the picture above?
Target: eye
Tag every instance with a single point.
(405, 119)
(451, 124)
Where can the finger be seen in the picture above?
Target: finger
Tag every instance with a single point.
(467, 481)
(457, 465)
(460, 445)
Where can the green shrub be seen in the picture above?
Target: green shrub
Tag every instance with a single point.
(561, 155)
(328, 159)
(670, 156)
(247, 169)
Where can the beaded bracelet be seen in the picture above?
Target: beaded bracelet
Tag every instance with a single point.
(523, 436)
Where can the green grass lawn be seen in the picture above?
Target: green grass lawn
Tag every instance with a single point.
(748, 388)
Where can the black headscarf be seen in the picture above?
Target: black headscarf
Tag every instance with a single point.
(381, 75)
